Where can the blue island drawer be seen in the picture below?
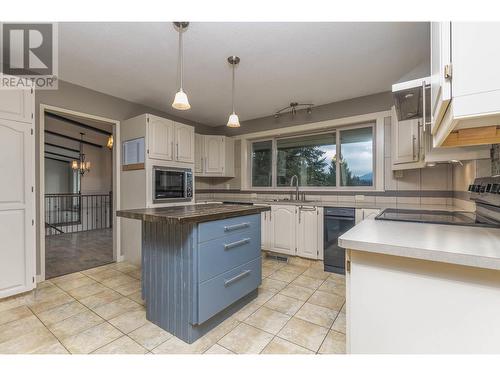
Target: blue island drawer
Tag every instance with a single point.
(219, 228)
(225, 253)
(220, 292)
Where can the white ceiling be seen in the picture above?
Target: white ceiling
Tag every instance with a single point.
(280, 62)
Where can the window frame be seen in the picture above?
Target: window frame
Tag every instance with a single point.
(334, 129)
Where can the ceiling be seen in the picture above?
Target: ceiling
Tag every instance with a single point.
(315, 63)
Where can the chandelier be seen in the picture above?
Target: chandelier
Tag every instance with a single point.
(81, 165)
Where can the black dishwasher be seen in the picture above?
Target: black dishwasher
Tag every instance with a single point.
(337, 221)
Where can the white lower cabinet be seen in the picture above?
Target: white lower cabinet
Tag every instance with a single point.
(293, 230)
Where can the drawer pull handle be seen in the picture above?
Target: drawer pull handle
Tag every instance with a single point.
(236, 278)
(236, 227)
(231, 245)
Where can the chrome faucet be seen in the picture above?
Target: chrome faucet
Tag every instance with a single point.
(296, 186)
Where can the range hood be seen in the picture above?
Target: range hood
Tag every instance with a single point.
(408, 98)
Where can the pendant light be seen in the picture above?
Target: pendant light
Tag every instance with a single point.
(181, 100)
(233, 121)
(81, 165)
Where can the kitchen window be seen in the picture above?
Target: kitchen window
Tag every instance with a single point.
(337, 158)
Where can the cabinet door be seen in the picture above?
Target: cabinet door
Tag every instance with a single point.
(440, 81)
(160, 138)
(283, 229)
(184, 143)
(198, 153)
(214, 154)
(16, 105)
(405, 141)
(265, 230)
(307, 232)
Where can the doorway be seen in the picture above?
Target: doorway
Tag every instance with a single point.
(78, 191)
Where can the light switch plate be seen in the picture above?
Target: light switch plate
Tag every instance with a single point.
(359, 198)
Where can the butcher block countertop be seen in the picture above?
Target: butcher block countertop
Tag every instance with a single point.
(196, 213)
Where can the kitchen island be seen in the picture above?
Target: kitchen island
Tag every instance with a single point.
(200, 264)
(417, 288)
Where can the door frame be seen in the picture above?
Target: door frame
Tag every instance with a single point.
(117, 257)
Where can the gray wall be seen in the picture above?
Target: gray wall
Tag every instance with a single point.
(346, 108)
(58, 176)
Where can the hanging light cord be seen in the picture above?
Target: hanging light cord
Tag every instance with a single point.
(181, 53)
(233, 87)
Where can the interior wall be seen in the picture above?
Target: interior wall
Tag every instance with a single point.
(57, 177)
(99, 180)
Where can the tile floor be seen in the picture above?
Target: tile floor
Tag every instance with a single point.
(72, 252)
(299, 310)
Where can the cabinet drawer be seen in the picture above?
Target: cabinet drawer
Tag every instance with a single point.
(225, 253)
(220, 292)
(219, 228)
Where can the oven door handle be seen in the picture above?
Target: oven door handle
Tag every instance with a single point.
(347, 218)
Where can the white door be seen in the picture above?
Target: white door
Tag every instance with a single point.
(16, 105)
(405, 141)
(214, 154)
(283, 229)
(160, 138)
(440, 80)
(17, 207)
(198, 153)
(307, 232)
(184, 143)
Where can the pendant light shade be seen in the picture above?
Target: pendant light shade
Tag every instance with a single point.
(181, 101)
(233, 121)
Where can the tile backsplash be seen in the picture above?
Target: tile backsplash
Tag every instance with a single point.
(495, 160)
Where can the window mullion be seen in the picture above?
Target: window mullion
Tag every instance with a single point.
(337, 161)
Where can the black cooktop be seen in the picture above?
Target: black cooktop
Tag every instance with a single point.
(437, 217)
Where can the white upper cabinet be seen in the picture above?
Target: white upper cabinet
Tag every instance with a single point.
(214, 155)
(17, 105)
(440, 70)
(406, 145)
(160, 138)
(184, 143)
(169, 140)
(465, 83)
(283, 229)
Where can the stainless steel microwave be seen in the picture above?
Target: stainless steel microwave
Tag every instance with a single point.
(172, 184)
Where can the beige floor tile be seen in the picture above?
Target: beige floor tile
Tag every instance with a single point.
(264, 296)
(222, 329)
(19, 327)
(53, 348)
(129, 288)
(298, 292)
(334, 343)
(333, 287)
(32, 341)
(316, 273)
(15, 301)
(302, 333)
(284, 304)
(175, 345)
(137, 297)
(150, 335)
(68, 277)
(337, 278)
(307, 282)
(283, 276)
(246, 311)
(93, 271)
(59, 299)
(61, 312)
(44, 284)
(295, 269)
(246, 339)
(135, 274)
(74, 283)
(87, 290)
(91, 339)
(75, 324)
(124, 267)
(217, 349)
(298, 261)
(280, 346)
(117, 281)
(123, 345)
(319, 315)
(15, 313)
(116, 307)
(339, 324)
(268, 270)
(104, 274)
(101, 298)
(332, 301)
(129, 321)
(272, 284)
(268, 320)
